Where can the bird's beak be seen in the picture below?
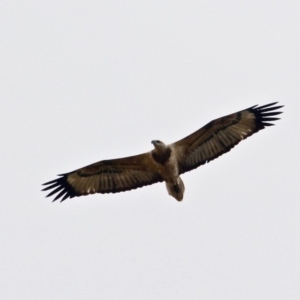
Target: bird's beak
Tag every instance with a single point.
(152, 142)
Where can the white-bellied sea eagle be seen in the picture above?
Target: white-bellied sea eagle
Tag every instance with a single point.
(165, 162)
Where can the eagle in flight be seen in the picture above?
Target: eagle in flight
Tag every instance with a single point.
(165, 162)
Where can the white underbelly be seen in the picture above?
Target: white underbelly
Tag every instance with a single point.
(170, 171)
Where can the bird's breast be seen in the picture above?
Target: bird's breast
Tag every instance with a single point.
(169, 170)
(162, 157)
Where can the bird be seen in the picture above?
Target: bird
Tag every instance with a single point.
(165, 163)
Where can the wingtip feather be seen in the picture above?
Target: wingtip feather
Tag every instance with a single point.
(61, 187)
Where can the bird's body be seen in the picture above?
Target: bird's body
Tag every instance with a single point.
(165, 162)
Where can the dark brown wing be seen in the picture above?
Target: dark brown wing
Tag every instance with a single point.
(221, 135)
(107, 176)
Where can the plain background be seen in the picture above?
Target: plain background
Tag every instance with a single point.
(82, 81)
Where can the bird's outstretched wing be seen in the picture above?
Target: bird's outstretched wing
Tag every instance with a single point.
(221, 135)
(107, 176)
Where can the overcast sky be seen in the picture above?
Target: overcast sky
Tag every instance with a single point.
(82, 81)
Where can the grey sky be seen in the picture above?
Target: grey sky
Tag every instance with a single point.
(92, 80)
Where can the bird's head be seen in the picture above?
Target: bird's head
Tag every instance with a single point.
(158, 144)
